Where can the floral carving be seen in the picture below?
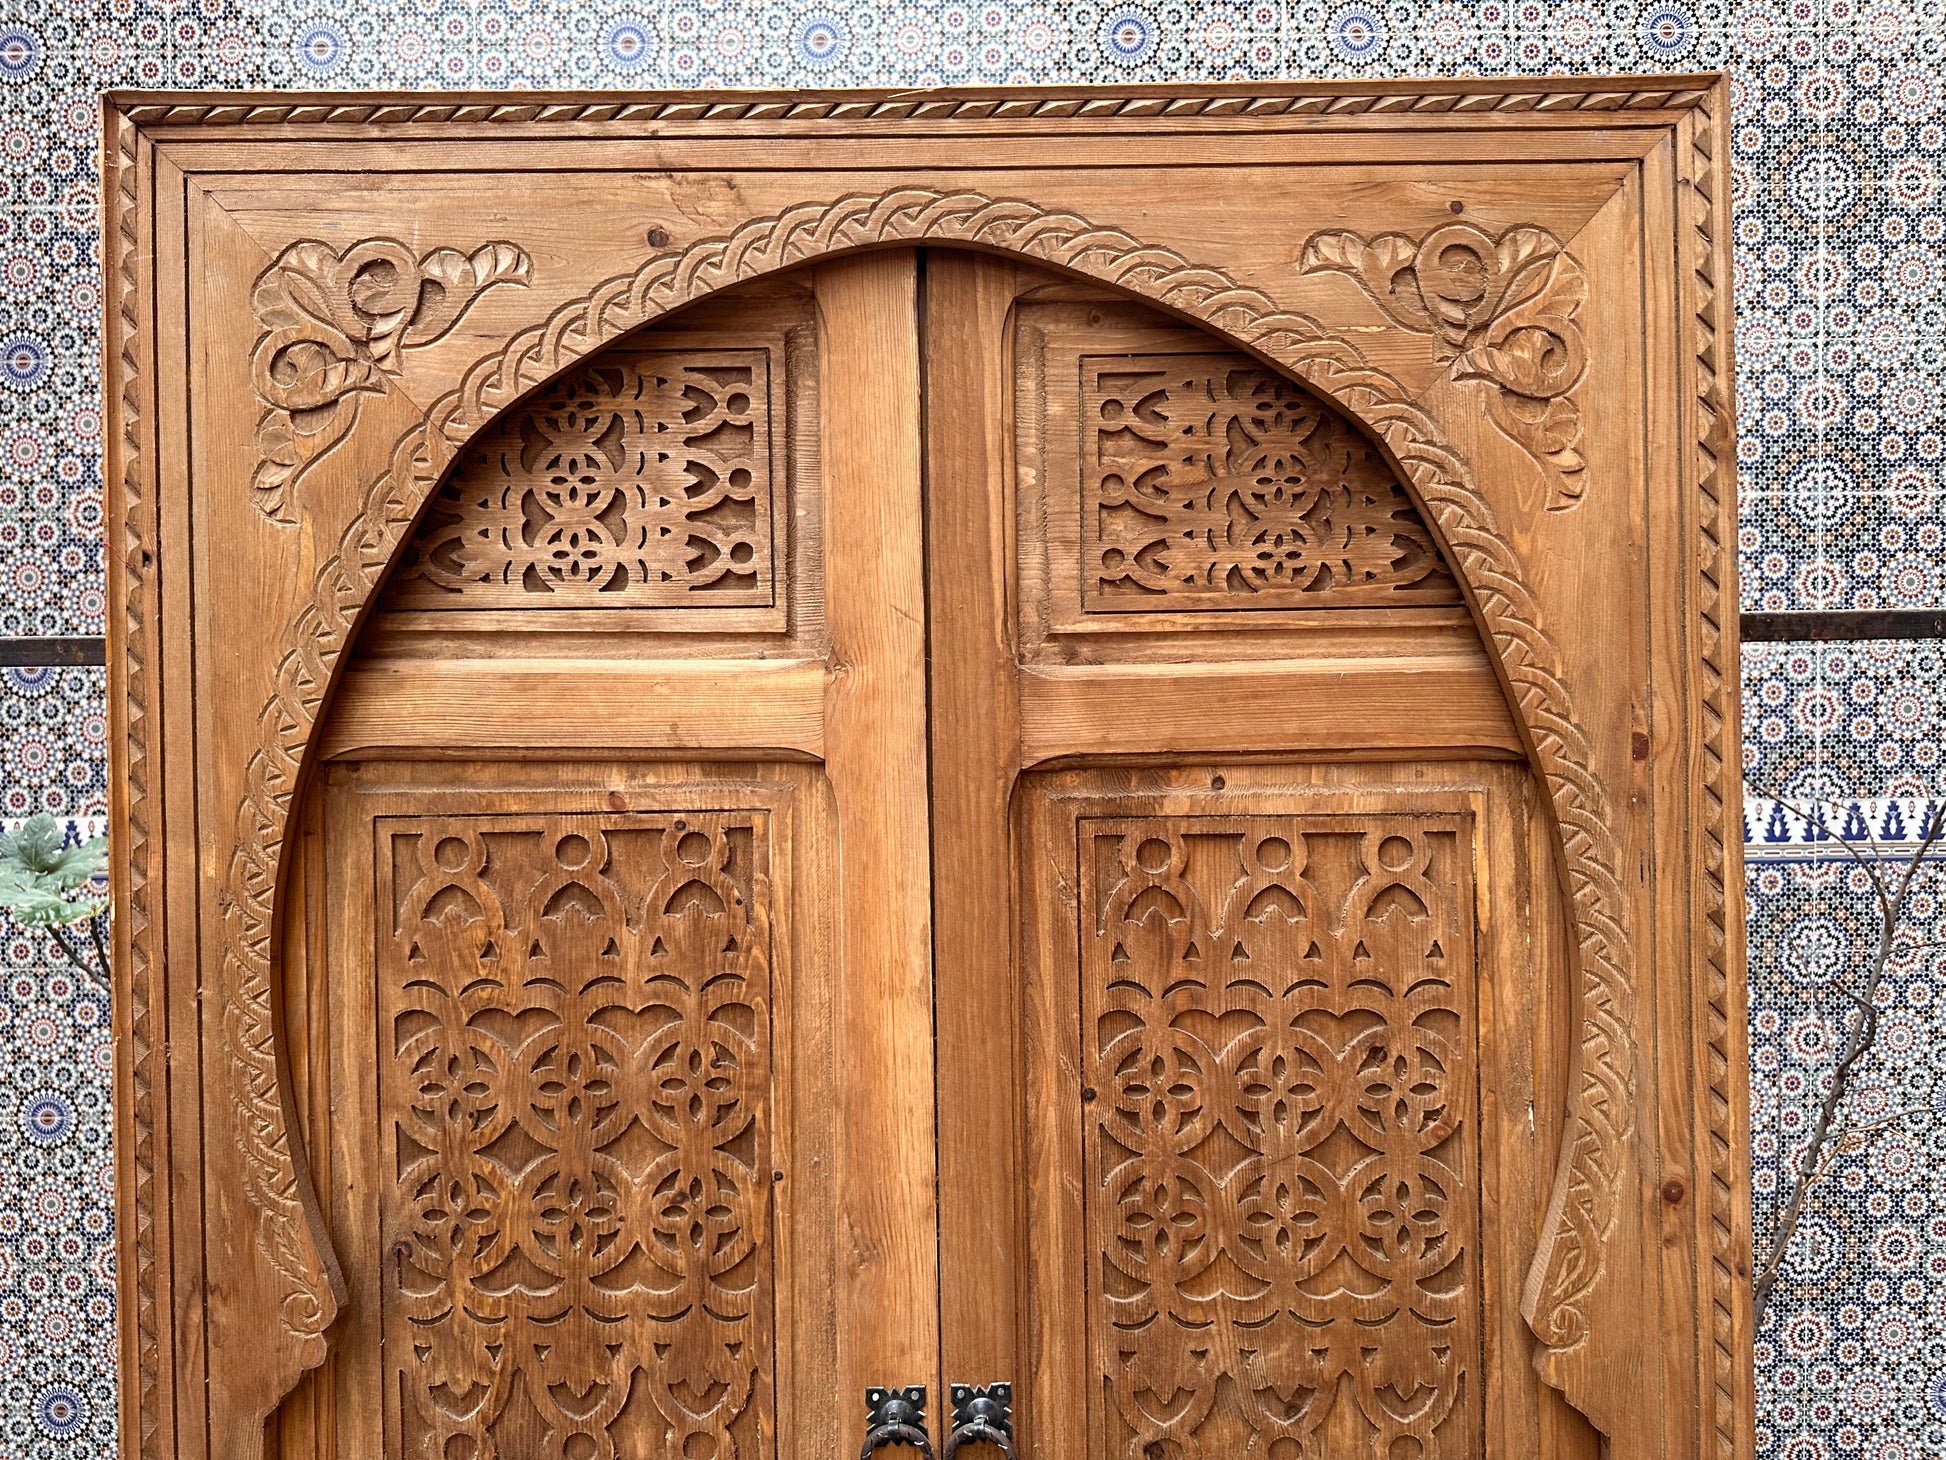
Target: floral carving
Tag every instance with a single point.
(1500, 310)
(335, 324)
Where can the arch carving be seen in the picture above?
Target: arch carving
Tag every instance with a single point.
(1586, 1195)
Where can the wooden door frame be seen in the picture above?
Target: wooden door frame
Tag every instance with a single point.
(1650, 1212)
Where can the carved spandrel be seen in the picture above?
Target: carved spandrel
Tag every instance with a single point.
(1209, 482)
(1502, 311)
(575, 1011)
(336, 323)
(642, 480)
(1281, 1160)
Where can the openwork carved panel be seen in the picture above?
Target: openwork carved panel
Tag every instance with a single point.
(574, 1086)
(643, 479)
(1210, 482)
(1280, 1146)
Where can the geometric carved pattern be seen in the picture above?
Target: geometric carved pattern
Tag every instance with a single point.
(575, 1011)
(1210, 482)
(638, 481)
(1279, 1064)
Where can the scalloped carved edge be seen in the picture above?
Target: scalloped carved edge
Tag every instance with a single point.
(1601, 1114)
(1093, 103)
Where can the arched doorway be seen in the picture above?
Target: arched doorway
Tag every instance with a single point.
(926, 797)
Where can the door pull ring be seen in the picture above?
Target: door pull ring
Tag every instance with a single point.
(896, 1417)
(982, 1414)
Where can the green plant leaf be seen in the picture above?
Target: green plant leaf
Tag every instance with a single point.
(35, 906)
(34, 844)
(78, 865)
(39, 875)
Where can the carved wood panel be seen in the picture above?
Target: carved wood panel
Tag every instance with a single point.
(334, 324)
(642, 479)
(574, 1091)
(1281, 1150)
(1504, 313)
(1210, 482)
(1170, 483)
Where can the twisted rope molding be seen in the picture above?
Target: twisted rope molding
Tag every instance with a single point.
(1584, 1206)
(1716, 495)
(1095, 103)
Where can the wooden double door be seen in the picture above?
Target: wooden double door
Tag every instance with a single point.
(923, 823)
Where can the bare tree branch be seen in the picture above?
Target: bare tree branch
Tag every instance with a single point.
(94, 974)
(1816, 1158)
(101, 950)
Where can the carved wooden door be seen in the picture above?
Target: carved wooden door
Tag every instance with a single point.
(1215, 740)
(810, 748)
(1111, 717)
(622, 869)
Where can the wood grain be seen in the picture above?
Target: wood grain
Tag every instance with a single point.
(1448, 703)
(462, 705)
(876, 755)
(976, 748)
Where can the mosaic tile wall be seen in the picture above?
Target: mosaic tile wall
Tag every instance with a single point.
(1840, 124)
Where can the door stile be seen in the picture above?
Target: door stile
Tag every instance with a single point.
(876, 758)
(976, 757)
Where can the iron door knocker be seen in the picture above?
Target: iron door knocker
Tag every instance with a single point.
(896, 1417)
(982, 1414)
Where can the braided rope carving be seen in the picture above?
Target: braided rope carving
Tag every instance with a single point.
(1713, 464)
(1585, 1199)
(1093, 103)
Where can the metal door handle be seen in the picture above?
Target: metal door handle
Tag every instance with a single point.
(982, 1415)
(896, 1417)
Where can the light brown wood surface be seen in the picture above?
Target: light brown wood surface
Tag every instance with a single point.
(772, 745)
(475, 705)
(875, 713)
(975, 687)
(1403, 701)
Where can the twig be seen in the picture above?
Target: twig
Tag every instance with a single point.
(1862, 1034)
(1852, 1138)
(101, 951)
(98, 976)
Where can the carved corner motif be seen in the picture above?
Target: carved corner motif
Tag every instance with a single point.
(1501, 311)
(335, 324)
